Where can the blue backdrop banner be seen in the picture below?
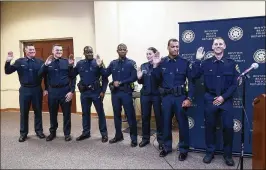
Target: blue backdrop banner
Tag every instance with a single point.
(245, 41)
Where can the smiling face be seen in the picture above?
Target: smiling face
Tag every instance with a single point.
(30, 51)
(88, 52)
(150, 54)
(218, 46)
(57, 51)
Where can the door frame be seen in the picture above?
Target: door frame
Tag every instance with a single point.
(21, 42)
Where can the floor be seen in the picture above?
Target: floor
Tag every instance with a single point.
(91, 153)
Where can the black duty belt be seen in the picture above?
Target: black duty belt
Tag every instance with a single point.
(30, 85)
(59, 86)
(177, 91)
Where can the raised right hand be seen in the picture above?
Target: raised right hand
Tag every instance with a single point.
(99, 61)
(9, 56)
(156, 59)
(49, 60)
(200, 53)
(139, 73)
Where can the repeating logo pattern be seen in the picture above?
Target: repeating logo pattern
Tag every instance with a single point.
(259, 56)
(235, 33)
(191, 122)
(188, 36)
(237, 125)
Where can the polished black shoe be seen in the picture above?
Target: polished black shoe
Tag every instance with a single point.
(82, 137)
(50, 137)
(229, 161)
(104, 139)
(134, 143)
(40, 135)
(182, 156)
(163, 153)
(143, 143)
(208, 158)
(114, 140)
(160, 146)
(68, 138)
(22, 138)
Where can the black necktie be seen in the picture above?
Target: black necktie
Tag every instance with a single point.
(57, 64)
(218, 74)
(30, 63)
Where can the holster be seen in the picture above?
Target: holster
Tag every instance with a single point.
(124, 87)
(94, 86)
(111, 86)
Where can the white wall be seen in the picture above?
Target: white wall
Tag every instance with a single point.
(104, 25)
(41, 20)
(145, 24)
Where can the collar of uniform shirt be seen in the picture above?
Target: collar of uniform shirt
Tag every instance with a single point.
(215, 59)
(32, 59)
(122, 59)
(88, 59)
(169, 59)
(57, 59)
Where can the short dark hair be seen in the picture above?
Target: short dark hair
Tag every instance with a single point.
(172, 40)
(59, 45)
(218, 38)
(154, 50)
(121, 44)
(28, 45)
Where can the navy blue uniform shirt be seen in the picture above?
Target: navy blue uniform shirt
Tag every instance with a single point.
(27, 70)
(89, 73)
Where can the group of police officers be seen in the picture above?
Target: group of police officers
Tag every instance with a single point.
(164, 83)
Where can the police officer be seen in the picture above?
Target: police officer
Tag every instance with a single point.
(173, 72)
(124, 73)
(149, 97)
(30, 91)
(91, 90)
(220, 81)
(60, 91)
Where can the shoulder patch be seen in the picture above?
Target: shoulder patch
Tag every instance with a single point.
(135, 66)
(237, 68)
(190, 66)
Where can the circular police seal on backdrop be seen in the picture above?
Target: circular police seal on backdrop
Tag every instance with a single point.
(235, 33)
(259, 56)
(188, 36)
(209, 54)
(237, 125)
(191, 122)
